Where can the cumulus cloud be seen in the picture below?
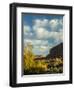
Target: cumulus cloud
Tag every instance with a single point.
(56, 24)
(43, 33)
(41, 23)
(27, 31)
(43, 50)
(53, 23)
(40, 31)
(37, 42)
(39, 46)
(46, 29)
(26, 28)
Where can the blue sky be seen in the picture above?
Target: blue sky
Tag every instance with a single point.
(42, 31)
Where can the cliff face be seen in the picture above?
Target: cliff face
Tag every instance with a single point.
(56, 52)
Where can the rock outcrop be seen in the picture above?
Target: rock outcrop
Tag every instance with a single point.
(56, 52)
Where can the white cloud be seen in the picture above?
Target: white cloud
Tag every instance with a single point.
(26, 28)
(43, 50)
(54, 31)
(42, 33)
(60, 36)
(55, 24)
(41, 23)
(27, 31)
(39, 46)
(39, 35)
(37, 22)
(36, 42)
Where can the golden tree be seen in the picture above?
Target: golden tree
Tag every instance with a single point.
(30, 65)
(28, 56)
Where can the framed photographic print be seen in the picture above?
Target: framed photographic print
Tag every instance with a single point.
(40, 44)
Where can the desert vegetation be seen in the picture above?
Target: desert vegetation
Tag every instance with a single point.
(32, 66)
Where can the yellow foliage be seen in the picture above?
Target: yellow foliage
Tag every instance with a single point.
(30, 64)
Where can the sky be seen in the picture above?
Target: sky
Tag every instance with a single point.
(42, 31)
